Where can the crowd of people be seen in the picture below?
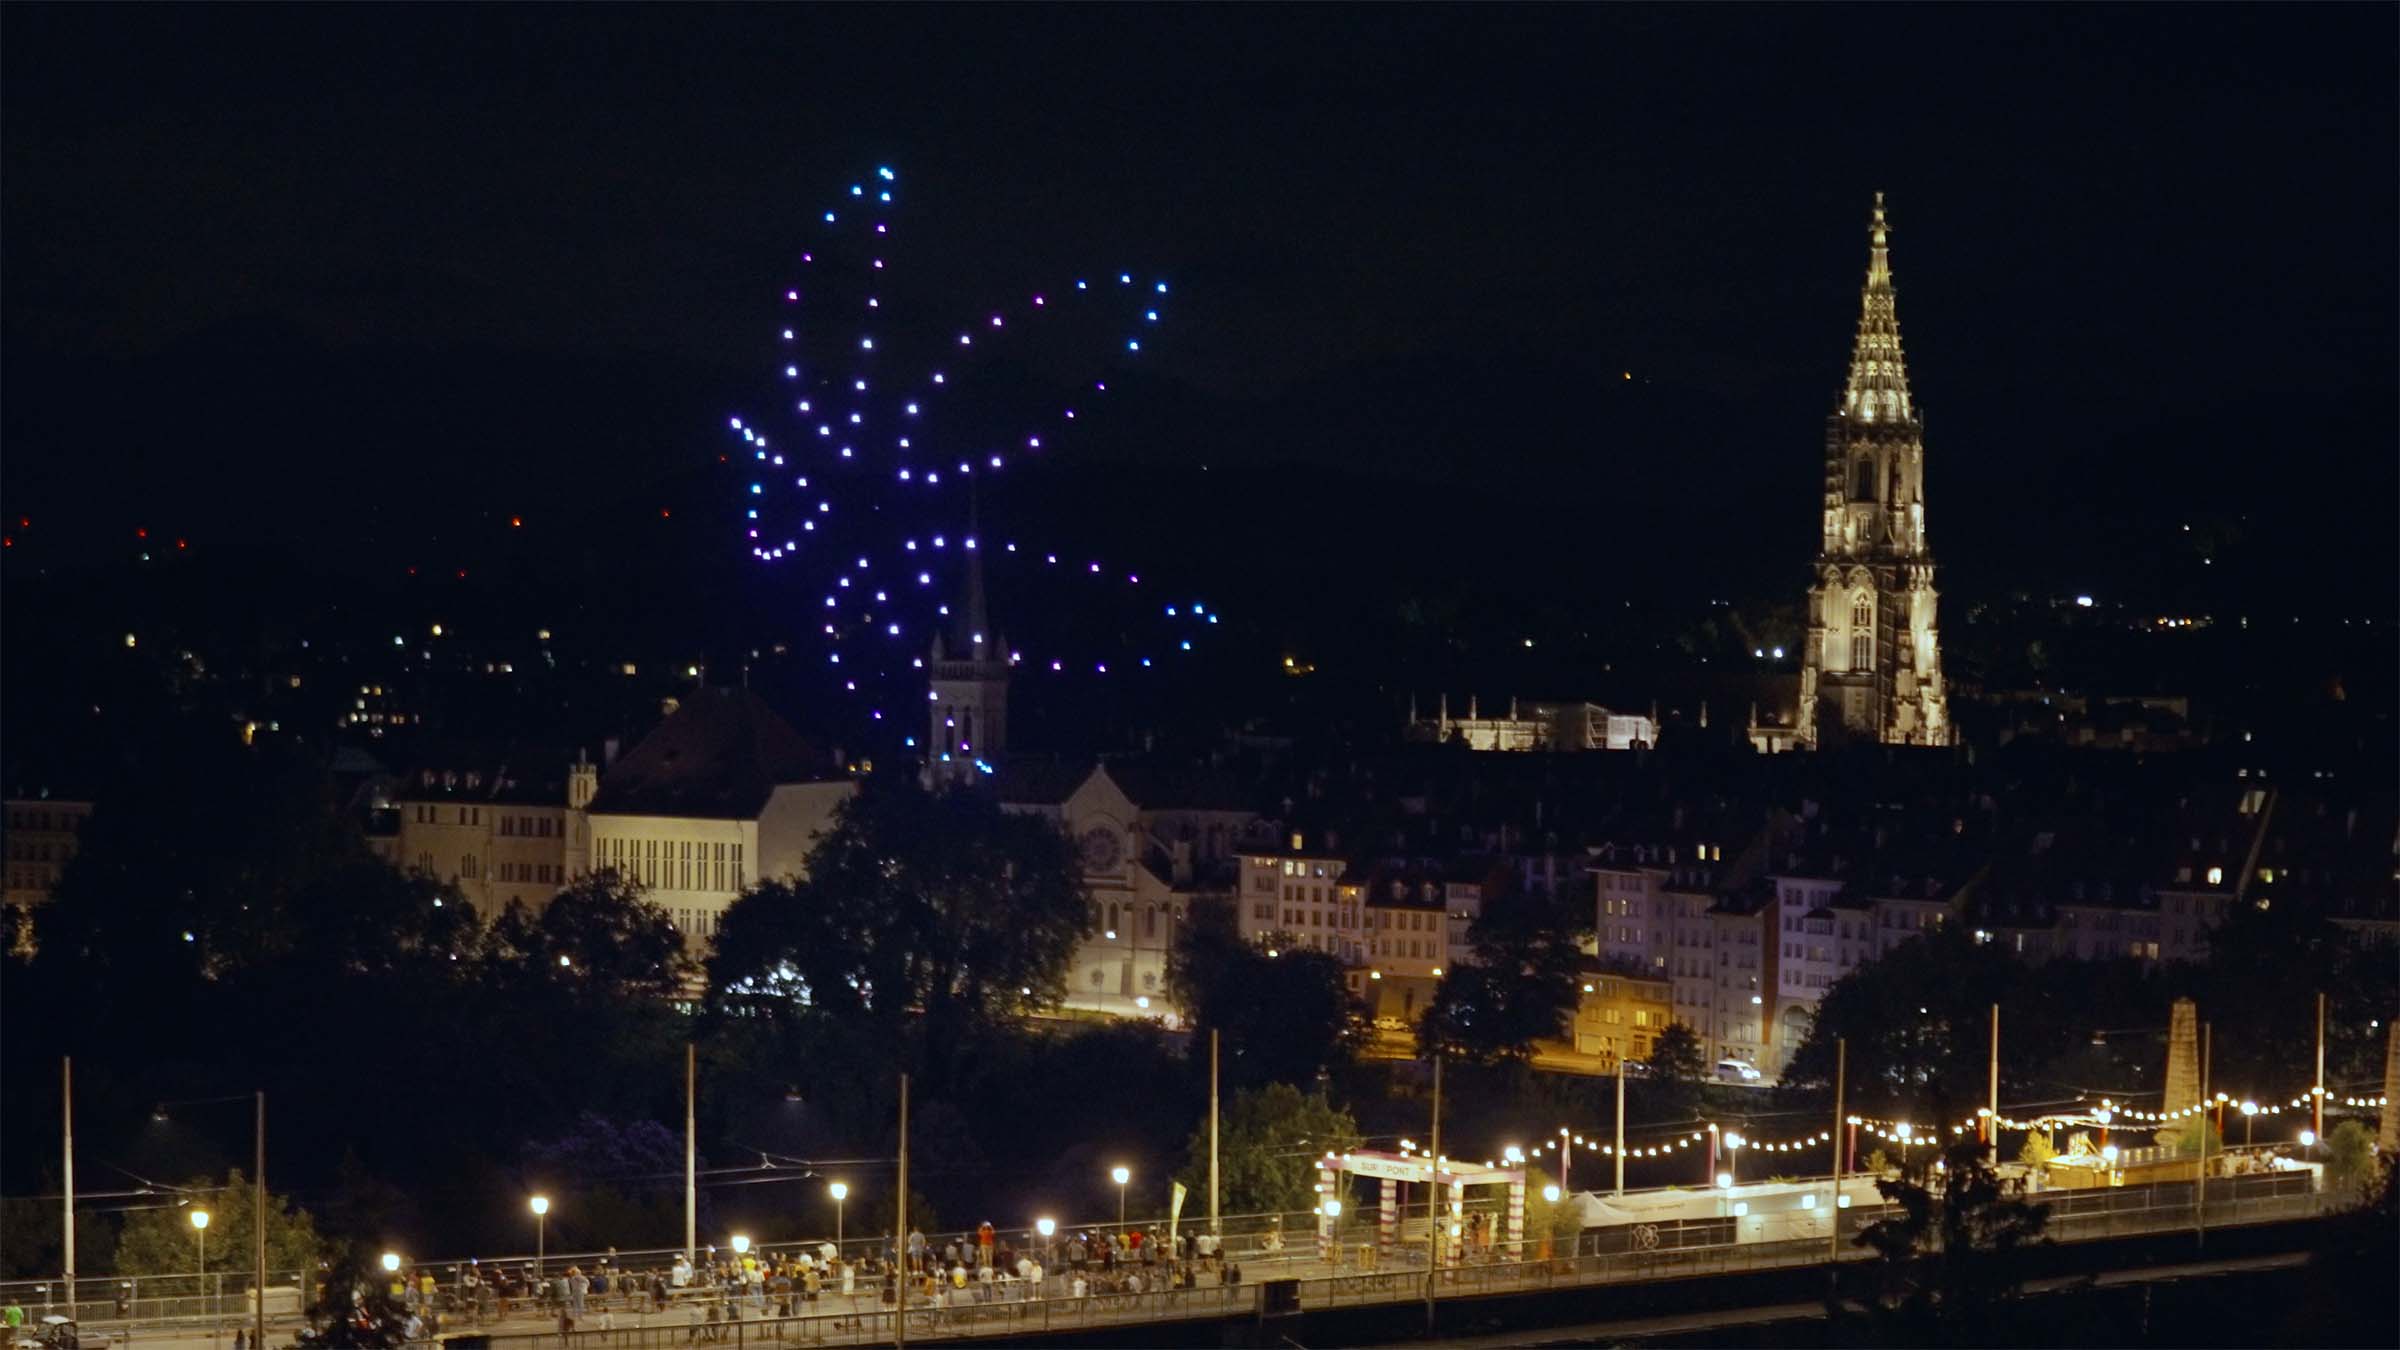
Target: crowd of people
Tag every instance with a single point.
(717, 1289)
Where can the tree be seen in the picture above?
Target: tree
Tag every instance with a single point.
(2349, 1159)
(1521, 985)
(1269, 1142)
(2269, 961)
(877, 1214)
(2188, 1137)
(932, 913)
(594, 1175)
(598, 936)
(1918, 1024)
(1679, 1065)
(224, 863)
(1561, 1219)
(1283, 1011)
(162, 1241)
(1950, 1263)
(2038, 1150)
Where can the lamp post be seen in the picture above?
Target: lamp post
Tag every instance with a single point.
(391, 1263)
(1120, 1176)
(741, 1244)
(2249, 1117)
(1733, 1153)
(200, 1232)
(840, 1191)
(540, 1205)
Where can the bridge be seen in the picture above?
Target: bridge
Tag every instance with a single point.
(2093, 1229)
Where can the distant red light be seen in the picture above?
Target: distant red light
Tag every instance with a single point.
(412, 571)
(141, 534)
(663, 513)
(516, 522)
(180, 544)
(462, 574)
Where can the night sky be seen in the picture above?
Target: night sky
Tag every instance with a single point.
(269, 271)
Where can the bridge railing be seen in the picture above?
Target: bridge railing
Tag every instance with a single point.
(1007, 1309)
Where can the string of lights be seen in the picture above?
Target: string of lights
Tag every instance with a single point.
(2104, 1112)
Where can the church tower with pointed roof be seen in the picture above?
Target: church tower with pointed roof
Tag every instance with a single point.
(967, 713)
(1872, 669)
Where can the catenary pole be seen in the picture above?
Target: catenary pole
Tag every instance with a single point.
(66, 1070)
(2317, 1114)
(258, 1224)
(2200, 1181)
(1992, 1122)
(1620, 1127)
(1433, 1201)
(900, 1232)
(691, 1155)
(1214, 1229)
(1841, 1076)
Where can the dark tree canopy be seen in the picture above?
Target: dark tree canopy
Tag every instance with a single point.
(599, 935)
(1268, 1142)
(936, 906)
(1918, 1024)
(1950, 1262)
(1281, 1018)
(1521, 986)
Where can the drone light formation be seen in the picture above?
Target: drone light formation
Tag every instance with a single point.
(879, 471)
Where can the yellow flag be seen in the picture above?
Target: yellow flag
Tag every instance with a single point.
(1174, 1210)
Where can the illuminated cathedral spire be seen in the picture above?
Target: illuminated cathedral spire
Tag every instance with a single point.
(1872, 667)
(1878, 385)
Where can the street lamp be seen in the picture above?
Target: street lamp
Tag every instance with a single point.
(1733, 1153)
(1332, 1208)
(840, 1191)
(1120, 1176)
(741, 1244)
(540, 1205)
(1550, 1193)
(2308, 1139)
(391, 1262)
(200, 1232)
(1513, 1155)
(1045, 1227)
(2249, 1118)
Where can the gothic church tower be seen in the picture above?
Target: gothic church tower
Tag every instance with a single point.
(1873, 666)
(967, 713)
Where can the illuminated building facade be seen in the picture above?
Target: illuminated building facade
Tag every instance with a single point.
(1873, 666)
(44, 834)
